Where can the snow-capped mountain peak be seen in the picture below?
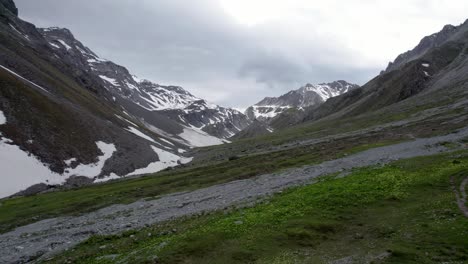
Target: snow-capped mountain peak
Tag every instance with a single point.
(308, 95)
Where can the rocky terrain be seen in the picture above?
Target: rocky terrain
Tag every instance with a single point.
(43, 239)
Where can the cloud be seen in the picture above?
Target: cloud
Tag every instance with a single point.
(235, 52)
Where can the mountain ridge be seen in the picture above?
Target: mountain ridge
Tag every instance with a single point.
(306, 96)
(173, 101)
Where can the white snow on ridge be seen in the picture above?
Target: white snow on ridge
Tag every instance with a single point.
(140, 134)
(54, 45)
(96, 59)
(324, 91)
(64, 44)
(136, 79)
(198, 138)
(21, 170)
(3, 119)
(110, 80)
(268, 111)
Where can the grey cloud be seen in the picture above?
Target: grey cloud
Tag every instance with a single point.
(171, 41)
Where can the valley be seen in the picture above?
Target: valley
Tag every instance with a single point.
(99, 166)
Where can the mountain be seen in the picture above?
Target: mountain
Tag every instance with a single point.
(429, 42)
(143, 98)
(436, 67)
(69, 117)
(306, 96)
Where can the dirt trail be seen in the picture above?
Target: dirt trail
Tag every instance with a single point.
(461, 194)
(47, 237)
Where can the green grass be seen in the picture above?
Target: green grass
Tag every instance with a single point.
(23, 210)
(401, 213)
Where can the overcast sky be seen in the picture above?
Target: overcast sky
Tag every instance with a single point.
(235, 52)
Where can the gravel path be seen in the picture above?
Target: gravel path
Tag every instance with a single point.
(47, 237)
(461, 194)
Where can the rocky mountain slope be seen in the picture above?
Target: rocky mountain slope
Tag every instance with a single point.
(429, 42)
(306, 96)
(438, 65)
(69, 117)
(437, 62)
(127, 90)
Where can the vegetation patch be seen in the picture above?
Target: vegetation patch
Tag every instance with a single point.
(401, 213)
(23, 210)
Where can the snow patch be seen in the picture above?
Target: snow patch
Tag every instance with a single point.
(22, 78)
(54, 45)
(131, 86)
(3, 119)
(185, 160)
(112, 176)
(425, 65)
(22, 170)
(139, 133)
(268, 111)
(166, 160)
(198, 138)
(136, 79)
(69, 161)
(92, 170)
(64, 44)
(167, 141)
(110, 80)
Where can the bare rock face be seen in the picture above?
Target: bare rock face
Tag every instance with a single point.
(10, 5)
(433, 41)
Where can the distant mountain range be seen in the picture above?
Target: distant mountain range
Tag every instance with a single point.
(306, 96)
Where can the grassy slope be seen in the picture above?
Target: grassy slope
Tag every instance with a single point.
(23, 210)
(401, 213)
